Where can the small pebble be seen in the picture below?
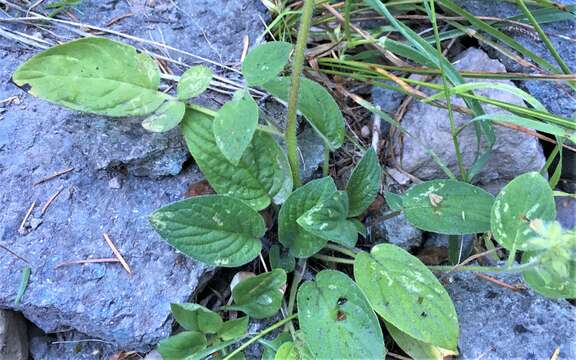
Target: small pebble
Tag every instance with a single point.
(114, 183)
(365, 131)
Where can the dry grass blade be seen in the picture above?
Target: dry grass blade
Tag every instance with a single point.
(117, 253)
(88, 261)
(53, 176)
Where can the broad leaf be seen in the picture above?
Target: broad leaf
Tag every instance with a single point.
(95, 75)
(272, 346)
(214, 229)
(394, 201)
(280, 258)
(417, 349)
(555, 278)
(166, 117)
(328, 220)
(287, 351)
(262, 175)
(300, 242)
(265, 62)
(317, 106)
(182, 345)
(235, 124)
(527, 197)
(364, 183)
(448, 207)
(360, 227)
(194, 82)
(196, 318)
(406, 294)
(260, 296)
(336, 319)
(233, 329)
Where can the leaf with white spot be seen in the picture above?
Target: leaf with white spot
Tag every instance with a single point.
(262, 175)
(448, 207)
(406, 294)
(265, 62)
(336, 319)
(364, 183)
(95, 75)
(527, 197)
(194, 82)
(166, 117)
(260, 296)
(214, 229)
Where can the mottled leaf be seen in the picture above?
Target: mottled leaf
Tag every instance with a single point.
(448, 207)
(317, 106)
(262, 175)
(406, 294)
(214, 229)
(546, 278)
(182, 345)
(235, 124)
(336, 319)
(194, 82)
(260, 296)
(300, 242)
(95, 75)
(265, 62)
(364, 183)
(166, 117)
(196, 317)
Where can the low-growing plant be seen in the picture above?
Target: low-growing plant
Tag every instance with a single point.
(337, 315)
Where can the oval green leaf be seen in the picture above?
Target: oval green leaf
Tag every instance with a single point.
(301, 242)
(547, 280)
(364, 183)
(182, 345)
(417, 349)
(262, 175)
(234, 329)
(194, 82)
(280, 258)
(336, 319)
(527, 197)
(272, 346)
(287, 351)
(448, 207)
(317, 106)
(394, 201)
(260, 296)
(406, 294)
(265, 62)
(166, 117)
(95, 75)
(196, 317)
(214, 229)
(328, 221)
(234, 125)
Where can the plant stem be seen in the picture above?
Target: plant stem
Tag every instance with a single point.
(259, 335)
(333, 259)
(298, 274)
(342, 249)
(326, 162)
(297, 67)
(490, 269)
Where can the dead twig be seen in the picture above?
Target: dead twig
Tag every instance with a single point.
(22, 228)
(50, 201)
(53, 176)
(88, 261)
(500, 282)
(13, 253)
(117, 253)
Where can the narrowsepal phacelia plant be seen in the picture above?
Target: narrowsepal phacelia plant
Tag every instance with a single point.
(337, 314)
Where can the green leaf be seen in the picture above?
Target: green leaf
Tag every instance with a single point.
(395, 202)
(336, 319)
(214, 229)
(280, 258)
(166, 117)
(271, 347)
(364, 183)
(194, 82)
(317, 106)
(95, 75)
(287, 351)
(360, 227)
(262, 175)
(406, 294)
(448, 207)
(527, 197)
(548, 281)
(327, 220)
(265, 62)
(260, 296)
(417, 349)
(233, 329)
(196, 317)
(300, 242)
(235, 124)
(182, 345)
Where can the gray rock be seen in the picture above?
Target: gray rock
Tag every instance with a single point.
(38, 139)
(434, 240)
(558, 98)
(68, 345)
(566, 212)
(13, 336)
(514, 153)
(396, 230)
(497, 323)
(311, 151)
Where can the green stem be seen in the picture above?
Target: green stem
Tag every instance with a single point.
(297, 68)
(333, 259)
(326, 162)
(347, 8)
(298, 274)
(489, 269)
(259, 335)
(342, 249)
(264, 128)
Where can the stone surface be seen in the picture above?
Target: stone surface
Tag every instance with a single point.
(497, 323)
(13, 336)
(514, 153)
(68, 345)
(396, 230)
(120, 175)
(434, 240)
(566, 212)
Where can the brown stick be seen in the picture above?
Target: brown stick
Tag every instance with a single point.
(87, 261)
(50, 201)
(55, 175)
(21, 229)
(117, 253)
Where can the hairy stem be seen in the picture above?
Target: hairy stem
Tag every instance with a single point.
(342, 250)
(488, 269)
(333, 259)
(297, 67)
